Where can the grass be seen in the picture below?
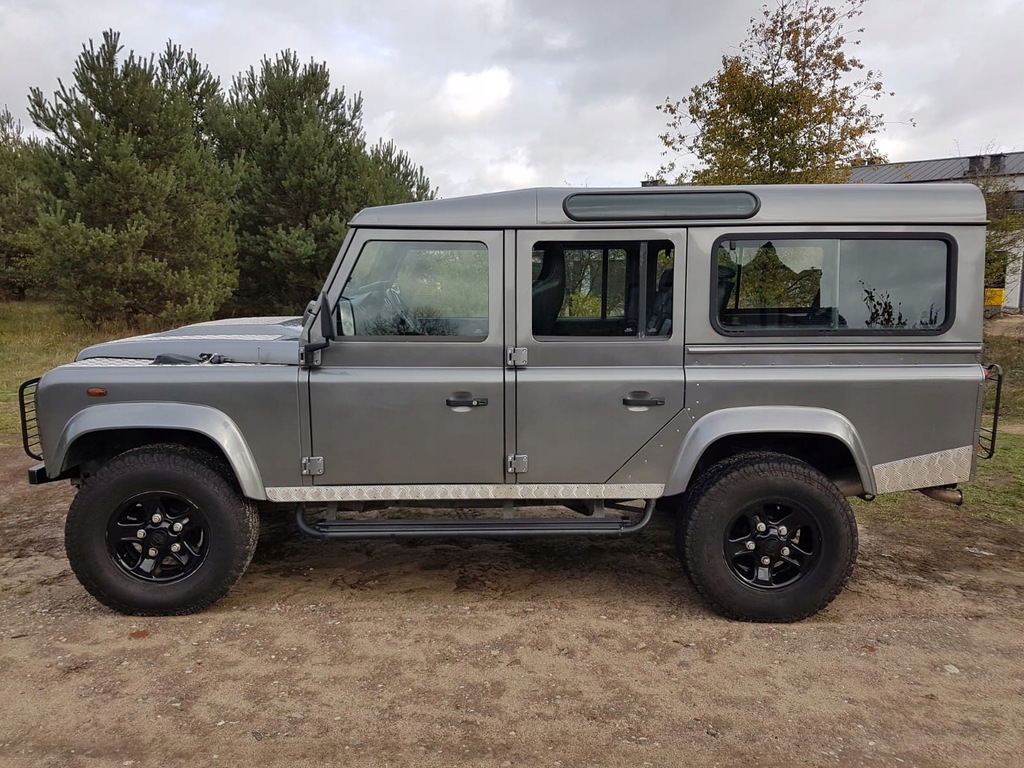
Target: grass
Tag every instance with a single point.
(35, 338)
(998, 489)
(1008, 351)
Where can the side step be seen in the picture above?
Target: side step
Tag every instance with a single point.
(485, 529)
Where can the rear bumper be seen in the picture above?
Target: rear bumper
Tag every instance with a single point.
(37, 475)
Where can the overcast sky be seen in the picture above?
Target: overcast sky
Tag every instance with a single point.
(498, 94)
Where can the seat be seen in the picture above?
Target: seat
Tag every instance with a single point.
(660, 318)
(549, 290)
(726, 283)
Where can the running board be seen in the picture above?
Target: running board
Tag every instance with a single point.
(484, 529)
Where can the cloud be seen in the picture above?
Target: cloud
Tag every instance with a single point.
(467, 97)
(511, 170)
(491, 94)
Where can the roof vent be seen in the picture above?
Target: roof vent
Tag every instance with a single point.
(975, 165)
(661, 204)
(996, 162)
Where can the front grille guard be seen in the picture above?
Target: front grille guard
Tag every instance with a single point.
(987, 435)
(30, 419)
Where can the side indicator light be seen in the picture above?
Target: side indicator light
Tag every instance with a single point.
(96, 392)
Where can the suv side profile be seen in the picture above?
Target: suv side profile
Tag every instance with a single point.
(746, 357)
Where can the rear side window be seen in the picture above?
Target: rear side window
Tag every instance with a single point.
(863, 285)
(602, 289)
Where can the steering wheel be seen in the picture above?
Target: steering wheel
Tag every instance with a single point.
(395, 305)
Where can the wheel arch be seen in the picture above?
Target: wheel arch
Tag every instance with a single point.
(102, 431)
(823, 438)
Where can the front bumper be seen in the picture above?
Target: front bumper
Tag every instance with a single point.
(37, 475)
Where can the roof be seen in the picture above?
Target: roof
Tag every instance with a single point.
(946, 169)
(791, 204)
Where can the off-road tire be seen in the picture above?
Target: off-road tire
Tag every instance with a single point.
(699, 487)
(231, 520)
(713, 503)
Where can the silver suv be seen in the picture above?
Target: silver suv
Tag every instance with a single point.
(746, 358)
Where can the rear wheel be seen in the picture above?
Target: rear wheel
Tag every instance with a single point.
(765, 537)
(159, 531)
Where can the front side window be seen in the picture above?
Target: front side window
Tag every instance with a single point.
(602, 289)
(832, 284)
(413, 288)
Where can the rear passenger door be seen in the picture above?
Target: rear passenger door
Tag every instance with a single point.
(599, 322)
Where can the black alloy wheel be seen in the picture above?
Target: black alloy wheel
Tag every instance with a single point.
(158, 536)
(772, 544)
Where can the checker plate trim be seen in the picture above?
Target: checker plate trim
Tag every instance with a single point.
(458, 492)
(927, 471)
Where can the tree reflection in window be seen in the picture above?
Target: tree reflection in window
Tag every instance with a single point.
(821, 284)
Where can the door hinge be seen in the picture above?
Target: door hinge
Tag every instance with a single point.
(516, 464)
(312, 465)
(515, 357)
(309, 359)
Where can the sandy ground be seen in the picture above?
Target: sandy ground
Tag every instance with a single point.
(557, 653)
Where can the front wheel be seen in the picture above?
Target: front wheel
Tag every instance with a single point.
(159, 531)
(766, 537)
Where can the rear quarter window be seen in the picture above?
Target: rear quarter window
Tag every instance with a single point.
(842, 285)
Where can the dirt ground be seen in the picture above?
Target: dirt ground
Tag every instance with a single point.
(547, 653)
(1005, 325)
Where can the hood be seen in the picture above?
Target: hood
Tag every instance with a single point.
(269, 340)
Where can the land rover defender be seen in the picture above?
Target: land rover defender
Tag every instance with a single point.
(746, 358)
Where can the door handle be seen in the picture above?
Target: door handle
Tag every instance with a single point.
(469, 402)
(636, 402)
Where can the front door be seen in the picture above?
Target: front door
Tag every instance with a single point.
(600, 318)
(412, 391)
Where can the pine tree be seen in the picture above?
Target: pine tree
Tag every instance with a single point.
(17, 211)
(305, 170)
(136, 225)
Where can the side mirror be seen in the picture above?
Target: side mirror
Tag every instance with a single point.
(346, 316)
(328, 329)
(309, 353)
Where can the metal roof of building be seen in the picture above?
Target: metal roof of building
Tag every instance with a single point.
(946, 169)
(788, 204)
